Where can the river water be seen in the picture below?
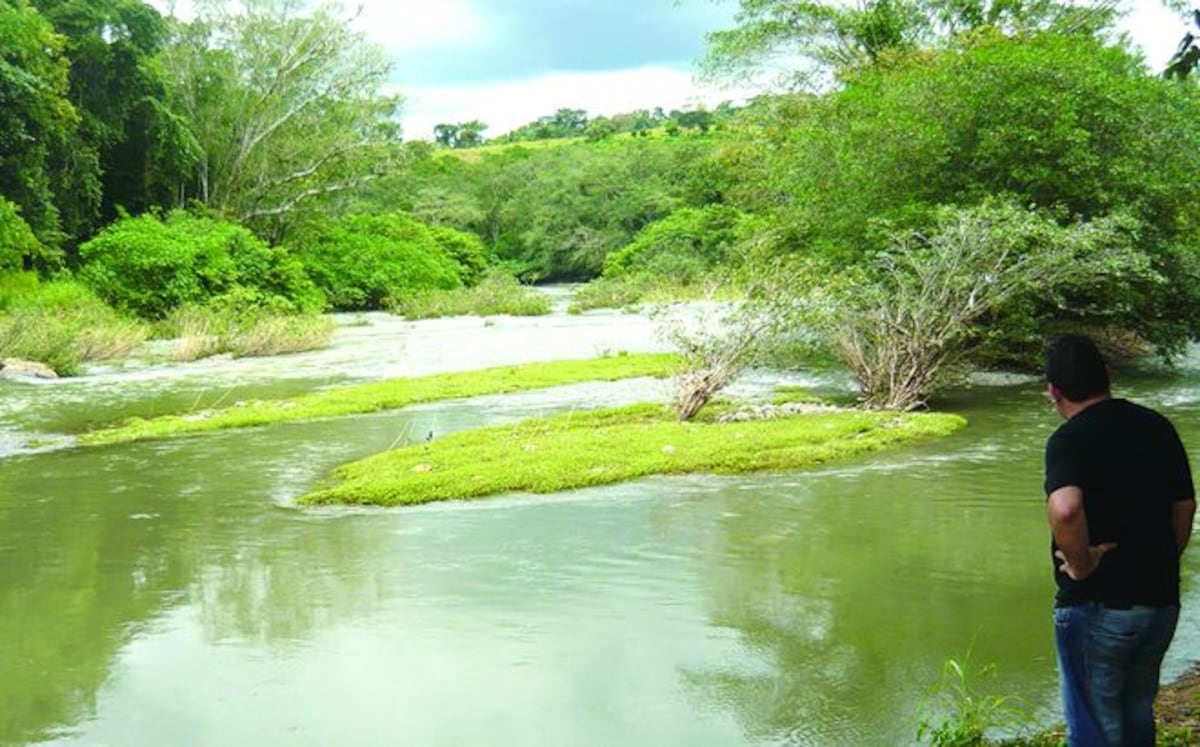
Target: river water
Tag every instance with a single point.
(172, 593)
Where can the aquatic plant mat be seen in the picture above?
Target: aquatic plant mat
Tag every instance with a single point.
(581, 449)
(389, 395)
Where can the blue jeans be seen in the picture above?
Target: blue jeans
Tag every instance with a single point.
(1108, 662)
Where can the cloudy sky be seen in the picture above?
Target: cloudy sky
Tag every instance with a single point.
(507, 62)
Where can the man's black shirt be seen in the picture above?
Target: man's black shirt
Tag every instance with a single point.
(1132, 468)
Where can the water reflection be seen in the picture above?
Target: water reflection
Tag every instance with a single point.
(170, 593)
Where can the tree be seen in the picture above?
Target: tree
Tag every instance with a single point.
(446, 134)
(373, 261)
(18, 246)
(118, 91)
(470, 134)
(1014, 117)
(281, 108)
(1187, 55)
(461, 135)
(38, 124)
(835, 39)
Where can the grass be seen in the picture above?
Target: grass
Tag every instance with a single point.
(582, 449)
(205, 330)
(496, 294)
(387, 395)
(631, 290)
(62, 324)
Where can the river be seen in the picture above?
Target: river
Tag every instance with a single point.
(172, 593)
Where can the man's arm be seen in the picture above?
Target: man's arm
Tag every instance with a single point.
(1182, 514)
(1068, 522)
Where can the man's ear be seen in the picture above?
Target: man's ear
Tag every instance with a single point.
(1054, 393)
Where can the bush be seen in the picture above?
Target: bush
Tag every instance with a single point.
(372, 261)
(151, 266)
(906, 320)
(464, 248)
(499, 293)
(62, 324)
(685, 245)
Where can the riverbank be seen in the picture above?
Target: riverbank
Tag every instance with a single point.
(1178, 709)
(599, 447)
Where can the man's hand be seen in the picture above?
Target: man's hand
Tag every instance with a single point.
(1094, 554)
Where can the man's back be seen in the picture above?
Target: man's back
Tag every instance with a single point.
(1132, 468)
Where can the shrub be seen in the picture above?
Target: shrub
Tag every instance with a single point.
(685, 245)
(464, 248)
(151, 266)
(499, 293)
(906, 320)
(371, 261)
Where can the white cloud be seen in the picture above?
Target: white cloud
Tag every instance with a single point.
(408, 25)
(506, 106)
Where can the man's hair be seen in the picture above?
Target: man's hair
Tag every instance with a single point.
(1076, 367)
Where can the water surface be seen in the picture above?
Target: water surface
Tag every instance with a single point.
(171, 593)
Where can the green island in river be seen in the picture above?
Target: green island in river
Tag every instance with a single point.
(576, 449)
(582, 449)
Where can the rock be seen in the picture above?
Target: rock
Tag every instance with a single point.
(15, 368)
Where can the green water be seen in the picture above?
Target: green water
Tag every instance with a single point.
(170, 594)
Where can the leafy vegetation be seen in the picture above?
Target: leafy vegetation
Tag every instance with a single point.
(374, 261)
(388, 395)
(150, 266)
(581, 449)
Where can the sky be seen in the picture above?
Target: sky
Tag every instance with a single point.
(508, 62)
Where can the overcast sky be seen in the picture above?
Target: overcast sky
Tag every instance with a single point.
(507, 62)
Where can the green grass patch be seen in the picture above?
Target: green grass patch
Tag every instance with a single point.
(389, 395)
(582, 449)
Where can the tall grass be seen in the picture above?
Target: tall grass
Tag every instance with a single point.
(203, 331)
(631, 290)
(498, 293)
(61, 324)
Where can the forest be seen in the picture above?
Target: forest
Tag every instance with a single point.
(935, 186)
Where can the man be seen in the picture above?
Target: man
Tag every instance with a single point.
(1120, 504)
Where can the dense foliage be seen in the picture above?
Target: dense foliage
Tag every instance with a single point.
(373, 261)
(687, 245)
(555, 213)
(149, 266)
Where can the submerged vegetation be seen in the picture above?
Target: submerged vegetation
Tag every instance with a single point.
(581, 449)
(389, 395)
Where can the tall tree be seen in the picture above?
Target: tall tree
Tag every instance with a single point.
(830, 38)
(118, 91)
(282, 107)
(38, 125)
